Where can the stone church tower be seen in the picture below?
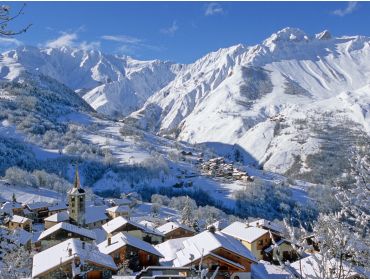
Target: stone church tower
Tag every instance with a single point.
(76, 202)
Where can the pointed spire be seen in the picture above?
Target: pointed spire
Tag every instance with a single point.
(77, 179)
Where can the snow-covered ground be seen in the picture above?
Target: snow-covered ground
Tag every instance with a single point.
(25, 194)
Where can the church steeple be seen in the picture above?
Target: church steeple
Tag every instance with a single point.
(76, 202)
(77, 179)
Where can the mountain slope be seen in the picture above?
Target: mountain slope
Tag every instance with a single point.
(251, 98)
(112, 85)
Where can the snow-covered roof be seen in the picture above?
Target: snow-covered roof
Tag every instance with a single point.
(120, 201)
(146, 223)
(59, 254)
(171, 226)
(120, 221)
(244, 232)
(95, 214)
(19, 219)
(312, 267)
(170, 247)
(268, 224)
(59, 206)
(37, 205)
(10, 205)
(22, 236)
(207, 242)
(281, 241)
(120, 240)
(58, 217)
(265, 270)
(119, 209)
(68, 227)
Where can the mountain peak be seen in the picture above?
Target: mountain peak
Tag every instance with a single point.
(288, 34)
(324, 35)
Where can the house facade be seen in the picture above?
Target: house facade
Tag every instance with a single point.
(254, 238)
(72, 258)
(20, 222)
(172, 230)
(126, 248)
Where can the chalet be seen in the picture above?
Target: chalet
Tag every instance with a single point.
(123, 201)
(40, 210)
(63, 231)
(124, 225)
(283, 248)
(12, 208)
(56, 219)
(121, 210)
(20, 222)
(57, 208)
(172, 230)
(95, 216)
(254, 238)
(221, 254)
(277, 230)
(22, 237)
(313, 244)
(73, 258)
(125, 247)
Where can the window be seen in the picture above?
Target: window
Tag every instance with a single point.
(260, 242)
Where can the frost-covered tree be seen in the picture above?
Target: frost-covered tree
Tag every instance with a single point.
(17, 264)
(187, 216)
(7, 17)
(342, 236)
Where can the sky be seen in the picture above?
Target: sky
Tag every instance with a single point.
(177, 31)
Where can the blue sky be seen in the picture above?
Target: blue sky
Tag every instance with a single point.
(178, 31)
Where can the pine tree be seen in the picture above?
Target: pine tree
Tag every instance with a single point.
(187, 216)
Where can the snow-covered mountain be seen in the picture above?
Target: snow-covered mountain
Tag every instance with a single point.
(266, 100)
(276, 103)
(112, 85)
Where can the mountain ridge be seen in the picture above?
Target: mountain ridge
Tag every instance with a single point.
(249, 98)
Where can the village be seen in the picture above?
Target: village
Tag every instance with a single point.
(118, 238)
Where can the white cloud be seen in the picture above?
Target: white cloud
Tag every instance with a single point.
(122, 39)
(351, 6)
(130, 45)
(65, 40)
(71, 40)
(9, 42)
(213, 9)
(170, 30)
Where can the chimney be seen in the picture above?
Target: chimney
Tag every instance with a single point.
(70, 252)
(83, 245)
(212, 229)
(109, 240)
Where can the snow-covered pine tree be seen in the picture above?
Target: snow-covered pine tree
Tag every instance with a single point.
(187, 216)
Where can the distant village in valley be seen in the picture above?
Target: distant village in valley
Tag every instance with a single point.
(125, 238)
